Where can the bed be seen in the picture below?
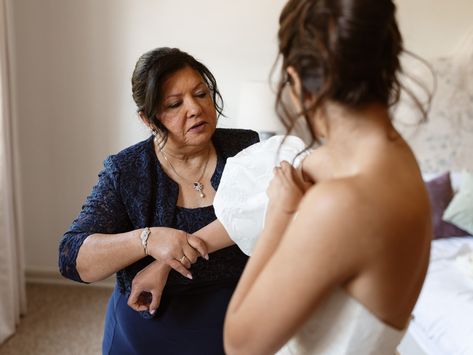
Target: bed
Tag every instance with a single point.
(443, 316)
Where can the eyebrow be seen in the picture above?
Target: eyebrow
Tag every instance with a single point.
(195, 87)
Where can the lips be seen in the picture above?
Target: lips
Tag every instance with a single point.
(197, 125)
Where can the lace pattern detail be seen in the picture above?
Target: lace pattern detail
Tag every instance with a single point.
(134, 192)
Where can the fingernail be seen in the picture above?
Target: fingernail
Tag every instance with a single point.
(152, 311)
(206, 256)
(189, 276)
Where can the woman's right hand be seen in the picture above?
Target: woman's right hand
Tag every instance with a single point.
(176, 248)
(286, 189)
(147, 287)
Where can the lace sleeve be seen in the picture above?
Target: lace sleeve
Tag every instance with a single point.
(103, 212)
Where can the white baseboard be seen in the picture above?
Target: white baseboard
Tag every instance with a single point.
(53, 277)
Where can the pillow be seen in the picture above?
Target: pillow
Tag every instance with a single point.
(440, 194)
(455, 178)
(460, 210)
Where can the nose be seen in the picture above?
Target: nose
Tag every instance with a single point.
(193, 107)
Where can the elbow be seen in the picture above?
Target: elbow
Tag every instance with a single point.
(85, 275)
(67, 264)
(63, 269)
(70, 272)
(231, 346)
(241, 338)
(234, 340)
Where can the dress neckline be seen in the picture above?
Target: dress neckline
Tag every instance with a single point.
(214, 179)
(360, 305)
(194, 209)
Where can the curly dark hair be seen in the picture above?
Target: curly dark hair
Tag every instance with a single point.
(345, 51)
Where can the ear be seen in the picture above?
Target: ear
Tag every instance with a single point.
(296, 87)
(295, 81)
(143, 118)
(146, 121)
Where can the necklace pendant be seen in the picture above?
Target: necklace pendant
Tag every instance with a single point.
(199, 188)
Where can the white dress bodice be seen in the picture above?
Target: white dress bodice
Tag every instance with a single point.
(341, 326)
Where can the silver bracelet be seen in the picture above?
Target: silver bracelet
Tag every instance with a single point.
(144, 236)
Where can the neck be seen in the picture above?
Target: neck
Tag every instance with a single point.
(351, 135)
(183, 153)
(342, 126)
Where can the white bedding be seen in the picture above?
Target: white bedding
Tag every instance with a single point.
(443, 316)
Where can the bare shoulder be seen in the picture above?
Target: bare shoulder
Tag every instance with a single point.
(331, 200)
(356, 211)
(327, 225)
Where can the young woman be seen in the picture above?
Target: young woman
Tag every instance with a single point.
(338, 266)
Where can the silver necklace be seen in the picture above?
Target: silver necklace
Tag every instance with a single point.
(196, 185)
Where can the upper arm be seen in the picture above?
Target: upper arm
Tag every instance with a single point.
(102, 212)
(314, 255)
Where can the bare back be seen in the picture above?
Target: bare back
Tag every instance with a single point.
(392, 227)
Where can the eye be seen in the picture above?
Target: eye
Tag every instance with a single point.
(173, 104)
(201, 94)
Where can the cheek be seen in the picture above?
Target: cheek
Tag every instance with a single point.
(172, 123)
(211, 112)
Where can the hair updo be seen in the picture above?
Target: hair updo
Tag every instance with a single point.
(346, 51)
(151, 71)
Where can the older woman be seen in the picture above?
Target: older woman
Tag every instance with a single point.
(148, 197)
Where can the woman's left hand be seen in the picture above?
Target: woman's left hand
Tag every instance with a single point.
(286, 189)
(147, 287)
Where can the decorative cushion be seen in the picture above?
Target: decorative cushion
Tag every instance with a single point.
(440, 194)
(460, 210)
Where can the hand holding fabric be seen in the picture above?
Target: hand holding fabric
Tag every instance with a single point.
(285, 190)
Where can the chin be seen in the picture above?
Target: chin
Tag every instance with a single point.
(201, 137)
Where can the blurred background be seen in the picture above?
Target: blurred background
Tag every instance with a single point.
(70, 64)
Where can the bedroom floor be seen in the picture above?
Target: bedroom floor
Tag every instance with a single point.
(60, 320)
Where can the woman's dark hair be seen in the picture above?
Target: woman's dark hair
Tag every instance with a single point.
(152, 69)
(346, 51)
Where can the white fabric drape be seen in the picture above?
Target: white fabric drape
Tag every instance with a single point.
(12, 284)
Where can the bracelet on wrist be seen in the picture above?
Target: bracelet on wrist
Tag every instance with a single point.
(144, 236)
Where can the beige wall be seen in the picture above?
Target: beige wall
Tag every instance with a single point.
(73, 63)
(432, 28)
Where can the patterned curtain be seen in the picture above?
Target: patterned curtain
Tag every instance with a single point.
(12, 284)
(445, 142)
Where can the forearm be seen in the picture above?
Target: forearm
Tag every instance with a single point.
(102, 255)
(215, 236)
(236, 330)
(264, 249)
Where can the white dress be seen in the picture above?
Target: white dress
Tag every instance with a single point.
(340, 325)
(240, 202)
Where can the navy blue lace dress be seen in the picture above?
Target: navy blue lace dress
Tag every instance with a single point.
(134, 192)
